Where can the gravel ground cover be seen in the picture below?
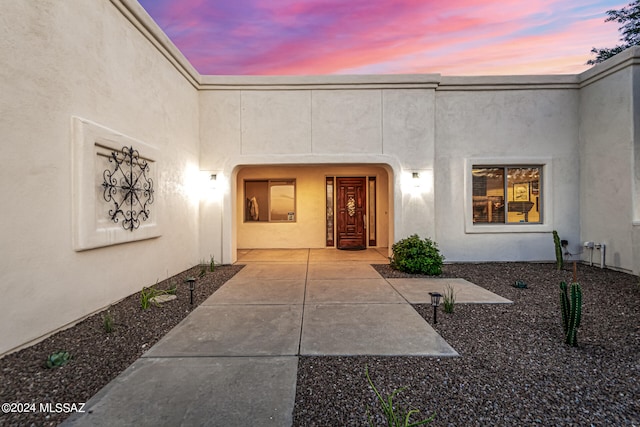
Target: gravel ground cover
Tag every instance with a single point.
(97, 356)
(514, 369)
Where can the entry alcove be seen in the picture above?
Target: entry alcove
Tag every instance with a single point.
(294, 206)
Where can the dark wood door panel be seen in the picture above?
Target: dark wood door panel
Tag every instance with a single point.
(351, 210)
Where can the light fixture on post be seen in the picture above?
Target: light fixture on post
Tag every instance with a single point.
(213, 178)
(192, 287)
(435, 302)
(416, 179)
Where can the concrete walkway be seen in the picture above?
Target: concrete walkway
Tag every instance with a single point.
(233, 360)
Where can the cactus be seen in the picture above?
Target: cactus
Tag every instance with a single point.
(564, 306)
(559, 259)
(571, 311)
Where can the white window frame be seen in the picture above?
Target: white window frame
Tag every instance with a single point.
(546, 226)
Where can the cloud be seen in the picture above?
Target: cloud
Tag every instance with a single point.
(401, 36)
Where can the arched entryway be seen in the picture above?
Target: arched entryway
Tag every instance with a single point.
(313, 206)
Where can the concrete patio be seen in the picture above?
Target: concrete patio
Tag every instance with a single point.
(234, 358)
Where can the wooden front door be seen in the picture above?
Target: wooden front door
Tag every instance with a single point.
(351, 209)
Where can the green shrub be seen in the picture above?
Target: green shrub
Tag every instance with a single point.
(417, 256)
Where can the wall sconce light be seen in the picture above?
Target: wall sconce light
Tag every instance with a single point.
(210, 182)
(435, 302)
(417, 182)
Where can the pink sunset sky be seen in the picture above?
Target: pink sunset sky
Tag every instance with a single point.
(450, 37)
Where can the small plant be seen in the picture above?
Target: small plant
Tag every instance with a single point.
(520, 284)
(146, 297)
(57, 359)
(571, 311)
(203, 266)
(395, 417)
(415, 255)
(107, 322)
(448, 299)
(558, 245)
(172, 290)
(212, 264)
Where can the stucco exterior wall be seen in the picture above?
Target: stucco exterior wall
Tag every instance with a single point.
(607, 163)
(320, 120)
(636, 169)
(439, 130)
(518, 125)
(85, 59)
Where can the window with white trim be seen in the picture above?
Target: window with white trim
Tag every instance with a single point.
(507, 194)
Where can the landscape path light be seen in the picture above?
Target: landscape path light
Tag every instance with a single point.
(192, 286)
(435, 302)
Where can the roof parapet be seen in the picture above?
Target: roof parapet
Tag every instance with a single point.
(140, 19)
(372, 81)
(624, 59)
(515, 82)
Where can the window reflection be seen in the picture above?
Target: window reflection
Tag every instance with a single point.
(507, 194)
(283, 201)
(270, 200)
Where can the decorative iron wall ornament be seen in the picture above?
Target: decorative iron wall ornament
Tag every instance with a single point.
(128, 186)
(351, 206)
